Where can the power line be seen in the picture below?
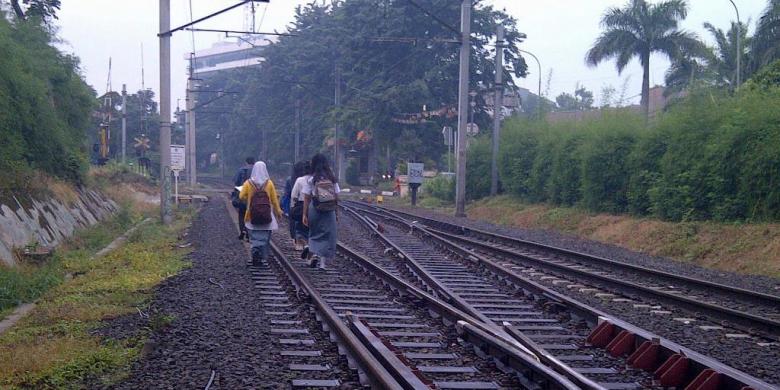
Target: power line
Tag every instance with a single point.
(434, 17)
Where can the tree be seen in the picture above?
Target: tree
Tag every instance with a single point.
(581, 100)
(393, 62)
(43, 9)
(765, 47)
(640, 29)
(717, 66)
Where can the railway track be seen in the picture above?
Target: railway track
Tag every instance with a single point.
(403, 329)
(393, 334)
(460, 274)
(746, 309)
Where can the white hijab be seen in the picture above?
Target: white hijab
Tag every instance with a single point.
(259, 174)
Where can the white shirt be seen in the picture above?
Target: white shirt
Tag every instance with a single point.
(309, 186)
(297, 190)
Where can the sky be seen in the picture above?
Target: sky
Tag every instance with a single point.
(559, 34)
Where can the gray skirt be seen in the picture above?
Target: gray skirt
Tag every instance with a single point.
(323, 233)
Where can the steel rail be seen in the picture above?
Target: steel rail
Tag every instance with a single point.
(473, 317)
(470, 327)
(764, 298)
(733, 378)
(378, 375)
(743, 320)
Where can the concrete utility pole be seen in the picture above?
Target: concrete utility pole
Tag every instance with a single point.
(297, 126)
(192, 167)
(124, 124)
(463, 108)
(336, 146)
(165, 111)
(498, 105)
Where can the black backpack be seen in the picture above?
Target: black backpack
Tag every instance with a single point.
(241, 178)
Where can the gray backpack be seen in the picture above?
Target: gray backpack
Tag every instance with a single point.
(324, 195)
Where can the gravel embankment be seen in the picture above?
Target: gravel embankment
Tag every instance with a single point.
(220, 329)
(613, 252)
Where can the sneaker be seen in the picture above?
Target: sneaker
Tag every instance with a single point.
(256, 259)
(305, 252)
(315, 261)
(241, 236)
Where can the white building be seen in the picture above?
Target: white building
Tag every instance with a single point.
(243, 52)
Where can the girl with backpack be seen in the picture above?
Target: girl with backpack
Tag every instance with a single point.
(319, 211)
(301, 174)
(262, 211)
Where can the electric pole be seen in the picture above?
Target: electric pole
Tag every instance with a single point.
(336, 146)
(124, 124)
(297, 125)
(165, 111)
(463, 108)
(498, 104)
(190, 129)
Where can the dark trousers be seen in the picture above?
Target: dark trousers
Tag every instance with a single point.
(241, 214)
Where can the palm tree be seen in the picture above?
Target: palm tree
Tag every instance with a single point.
(723, 60)
(766, 41)
(640, 29)
(715, 67)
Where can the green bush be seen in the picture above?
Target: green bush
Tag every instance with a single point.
(353, 173)
(45, 105)
(478, 176)
(713, 155)
(440, 187)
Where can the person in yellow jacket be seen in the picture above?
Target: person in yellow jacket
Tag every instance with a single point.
(260, 235)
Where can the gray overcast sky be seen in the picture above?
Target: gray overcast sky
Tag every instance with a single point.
(559, 33)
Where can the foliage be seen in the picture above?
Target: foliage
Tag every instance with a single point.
(57, 346)
(383, 77)
(353, 172)
(765, 46)
(640, 29)
(45, 106)
(767, 77)
(478, 175)
(717, 66)
(440, 187)
(580, 101)
(714, 155)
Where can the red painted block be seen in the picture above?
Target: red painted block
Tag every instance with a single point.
(622, 344)
(645, 357)
(706, 380)
(601, 335)
(672, 372)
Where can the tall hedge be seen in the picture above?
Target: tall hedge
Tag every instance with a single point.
(711, 156)
(45, 106)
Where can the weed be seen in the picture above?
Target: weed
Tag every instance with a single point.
(54, 346)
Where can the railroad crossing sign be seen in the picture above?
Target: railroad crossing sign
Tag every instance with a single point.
(141, 145)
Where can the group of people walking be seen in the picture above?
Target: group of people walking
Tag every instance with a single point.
(310, 203)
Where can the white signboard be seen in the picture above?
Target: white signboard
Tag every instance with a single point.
(472, 129)
(415, 172)
(177, 157)
(447, 133)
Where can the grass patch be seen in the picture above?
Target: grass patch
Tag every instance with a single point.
(53, 346)
(27, 282)
(736, 247)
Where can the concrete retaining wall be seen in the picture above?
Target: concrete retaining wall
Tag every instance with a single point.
(25, 220)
